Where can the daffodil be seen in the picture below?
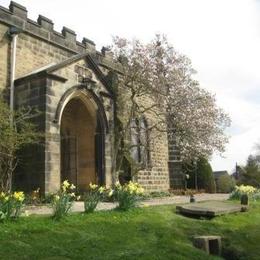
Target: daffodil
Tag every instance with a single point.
(56, 197)
(246, 189)
(101, 189)
(111, 192)
(19, 196)
(93, 186)
(117, 184)
(65, 185)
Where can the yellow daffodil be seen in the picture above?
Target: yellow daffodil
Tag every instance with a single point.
(117, 184)
(247, 189)
(101, 189)
(111, 192)
(65, 185)
(19, 196)
(93, 186)
(56, 197)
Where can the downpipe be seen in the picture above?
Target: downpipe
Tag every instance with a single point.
(13, 33)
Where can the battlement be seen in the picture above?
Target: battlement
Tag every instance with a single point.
(16, 16)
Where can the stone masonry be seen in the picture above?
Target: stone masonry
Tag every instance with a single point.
(52, 69)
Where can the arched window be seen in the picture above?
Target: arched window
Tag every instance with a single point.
(140, 149)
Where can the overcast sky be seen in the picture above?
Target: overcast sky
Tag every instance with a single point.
(222, 38)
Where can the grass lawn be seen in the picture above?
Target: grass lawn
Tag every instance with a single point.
(143, 233)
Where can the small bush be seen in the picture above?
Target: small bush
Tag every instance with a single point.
(11, 204)
(243, 189)
(225, 184)
(156, 194)
(93, 197)
(256, 195)
(127, 195)
(63, 200)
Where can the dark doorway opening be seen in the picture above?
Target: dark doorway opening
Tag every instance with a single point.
(82, 145)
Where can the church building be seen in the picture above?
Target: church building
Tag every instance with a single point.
(72, 84)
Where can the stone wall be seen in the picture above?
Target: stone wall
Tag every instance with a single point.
(156, 175)
(4, 57)
(30, 173)
(39, 45)
(175, 165)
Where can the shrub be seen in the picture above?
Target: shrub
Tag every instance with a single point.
(13, 138)
(11, 204)
(158, 194)
(93, 197)
(63, 200)
(225, 184)
(127, 195)
(241, 190)
(256, 195)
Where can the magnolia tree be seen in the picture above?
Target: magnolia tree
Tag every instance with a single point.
(158, 82)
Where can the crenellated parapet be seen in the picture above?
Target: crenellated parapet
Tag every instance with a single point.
(43, 28)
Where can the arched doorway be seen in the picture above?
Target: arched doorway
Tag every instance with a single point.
(82, 144)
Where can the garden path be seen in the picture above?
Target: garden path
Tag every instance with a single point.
(79, 205)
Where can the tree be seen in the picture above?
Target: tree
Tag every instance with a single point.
(250, 174)
(177, 104)
(16, 131)
(200, 175)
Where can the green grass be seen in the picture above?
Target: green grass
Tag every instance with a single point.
(143, 233)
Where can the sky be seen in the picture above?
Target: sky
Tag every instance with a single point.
(221, 37)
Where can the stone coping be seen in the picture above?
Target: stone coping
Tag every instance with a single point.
(43, 29)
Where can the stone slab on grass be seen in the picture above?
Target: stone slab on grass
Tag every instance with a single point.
(208, 208)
